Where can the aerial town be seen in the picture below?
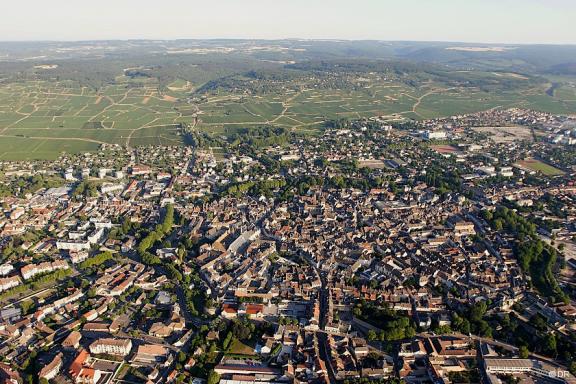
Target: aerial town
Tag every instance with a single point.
(433, 251)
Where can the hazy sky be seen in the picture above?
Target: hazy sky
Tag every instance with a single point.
(497, 21)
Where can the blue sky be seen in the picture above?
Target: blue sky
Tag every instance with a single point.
(490, 21)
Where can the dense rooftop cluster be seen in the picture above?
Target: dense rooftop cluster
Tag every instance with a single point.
(374, 251)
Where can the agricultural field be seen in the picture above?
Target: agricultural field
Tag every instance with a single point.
(309, 108)
(40, 119)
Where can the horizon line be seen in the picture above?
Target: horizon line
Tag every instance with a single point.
(286, 39)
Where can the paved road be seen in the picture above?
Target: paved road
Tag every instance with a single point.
(323, 346)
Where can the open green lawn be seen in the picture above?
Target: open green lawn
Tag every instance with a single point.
(238, 347)
(539, 166)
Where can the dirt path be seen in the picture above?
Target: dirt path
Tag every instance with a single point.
(431, 92)
(58, 138)
(146, 126)
(14, 123)
(286, 104)
(112, 104)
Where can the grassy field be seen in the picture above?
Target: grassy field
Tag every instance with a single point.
(40, 119)
(539, 166)
(239, 348)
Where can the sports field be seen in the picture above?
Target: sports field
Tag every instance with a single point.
(445, 149)
(539, 166)
(506, 135)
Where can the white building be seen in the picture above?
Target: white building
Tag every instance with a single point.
(120, 347)
(495, 366)
(506, 172)
(110, 188)
(5, 269)
(71, 245)
(69, 174)
(434, 135)
(9, 282)
(78, 257)
(102, 172)
(31, 270)
(76, 235)
(96, 236)
(52, 369)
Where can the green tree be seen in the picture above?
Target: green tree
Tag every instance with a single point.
(26, 305)
(213, 377)
(372, 335)
(550, 344)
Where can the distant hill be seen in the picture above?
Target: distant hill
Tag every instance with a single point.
(522, 58)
